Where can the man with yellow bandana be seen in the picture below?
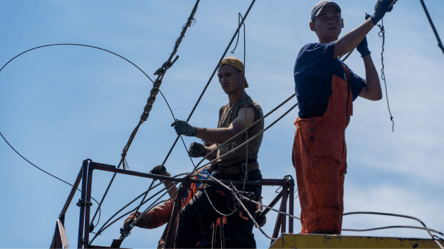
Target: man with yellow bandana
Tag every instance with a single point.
(234, 117)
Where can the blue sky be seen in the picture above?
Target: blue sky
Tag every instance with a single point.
(61, 105)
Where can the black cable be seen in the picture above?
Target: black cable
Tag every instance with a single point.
(382, 34)
(209, 81)
(160, 72)
(44, 171)
(106, 225)
(402, 216)
(432, 25)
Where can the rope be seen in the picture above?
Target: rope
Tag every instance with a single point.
(382, 34)
(249, 140)
(209, 81)
(106, 225)
(44, 171)
(432, 25)
(240, 133)
(402, 216)
(160, 72)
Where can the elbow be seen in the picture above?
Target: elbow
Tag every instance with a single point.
(377, 97)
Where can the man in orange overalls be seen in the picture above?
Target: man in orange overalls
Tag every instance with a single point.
(325, 89)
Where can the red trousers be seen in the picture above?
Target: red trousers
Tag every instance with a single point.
(319, 157)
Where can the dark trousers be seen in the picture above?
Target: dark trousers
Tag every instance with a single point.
(198, 215)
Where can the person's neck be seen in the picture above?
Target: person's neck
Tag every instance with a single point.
(326, 41)
(236, 97)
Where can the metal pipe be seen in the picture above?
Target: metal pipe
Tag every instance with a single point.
(110, 168)
(80, 203)
(284, 209)
(88, 206)
(272, 203)
(291, 207)
(169, 241)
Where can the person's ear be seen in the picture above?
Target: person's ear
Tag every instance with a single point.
(312, 26)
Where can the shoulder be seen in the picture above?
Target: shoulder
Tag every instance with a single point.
(315, 60)
(315, 50)
(221, 110)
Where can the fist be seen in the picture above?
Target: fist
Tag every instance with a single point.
(197, 150)
(160, 170)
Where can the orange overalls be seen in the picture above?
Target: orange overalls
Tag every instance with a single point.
(319, 156)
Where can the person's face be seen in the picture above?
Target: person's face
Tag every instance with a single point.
(328, 24)
(229, 79)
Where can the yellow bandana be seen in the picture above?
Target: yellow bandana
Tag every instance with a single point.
(235, 62)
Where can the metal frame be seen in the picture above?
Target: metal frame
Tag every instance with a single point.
(86, 175)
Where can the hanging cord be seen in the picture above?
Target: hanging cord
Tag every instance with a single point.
(160, 72)
(44, 171)
(209, 81)
(432, 25)
(237, 195)
(402, 216)
(245, 105)
(382, 34)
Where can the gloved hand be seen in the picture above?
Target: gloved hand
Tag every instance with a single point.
(363, 48)
(131, 218)
(381, 7)
(261, 220)
(183, 128)
(197, 150)
(160, 170)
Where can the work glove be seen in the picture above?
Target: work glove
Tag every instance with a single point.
(363, 48)
(197, 150)
(130, 219)
(160, 170)
(183, 128)
(381, 7)
(261, 220)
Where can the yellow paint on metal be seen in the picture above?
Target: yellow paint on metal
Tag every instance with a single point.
(337, 241)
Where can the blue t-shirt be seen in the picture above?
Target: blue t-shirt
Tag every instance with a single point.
(313, 73)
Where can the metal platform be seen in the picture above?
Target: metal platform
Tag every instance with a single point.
(337, 241)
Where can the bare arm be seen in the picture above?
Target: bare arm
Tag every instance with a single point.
(372, 89)
(209, 149)
(172, 189)
(219, 135)
(352, 39)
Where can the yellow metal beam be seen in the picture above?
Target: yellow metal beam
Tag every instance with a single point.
(337, 241)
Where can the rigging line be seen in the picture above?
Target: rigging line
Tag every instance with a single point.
(209, 81)
(389, 227)
(106, 225)
(160, 72)
(259, 203)
(402, 216)
(124, 215)
(382, 34)
(242, 204)
(257, 121)
(238, 35)
(102, 49)
(246, 132)
(81, 45)
(44, 171)
(432, 25)
(249, 140)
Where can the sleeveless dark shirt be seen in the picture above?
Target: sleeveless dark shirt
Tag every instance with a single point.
(227, 114)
